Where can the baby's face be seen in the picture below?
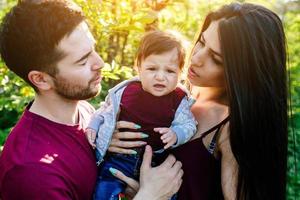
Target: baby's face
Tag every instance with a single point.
(159, 73)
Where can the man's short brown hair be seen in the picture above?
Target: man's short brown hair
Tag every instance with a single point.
(31, 31)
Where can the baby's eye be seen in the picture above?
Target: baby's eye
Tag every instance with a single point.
(151, 68)
(170, 71)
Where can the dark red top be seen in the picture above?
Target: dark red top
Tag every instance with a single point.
(149, 111)
(202, 171)
(43, 159)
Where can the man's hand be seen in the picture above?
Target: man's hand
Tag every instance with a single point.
(160, 182)
(168, 137)
(91, 136)
(156, 183)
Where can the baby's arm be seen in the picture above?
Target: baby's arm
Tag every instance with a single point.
(184, 123)
(93, 127)
(168, 137)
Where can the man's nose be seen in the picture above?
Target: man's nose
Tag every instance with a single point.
(98, 63)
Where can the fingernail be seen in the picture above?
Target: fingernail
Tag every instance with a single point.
(113, 171)
(144, 135)
(133, 152)
(137, 126)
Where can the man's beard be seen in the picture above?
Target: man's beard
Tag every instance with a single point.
(74, 91)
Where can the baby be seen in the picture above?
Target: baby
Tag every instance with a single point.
(154, 101)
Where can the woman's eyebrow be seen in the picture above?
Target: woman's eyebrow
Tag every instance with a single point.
(210, 49)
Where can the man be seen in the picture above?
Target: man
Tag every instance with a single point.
(46, 156)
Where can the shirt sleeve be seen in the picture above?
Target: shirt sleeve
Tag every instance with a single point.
(184, 123)
(97, 118)
(34, 182)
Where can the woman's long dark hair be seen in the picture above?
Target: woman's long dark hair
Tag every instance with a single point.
(254, 55)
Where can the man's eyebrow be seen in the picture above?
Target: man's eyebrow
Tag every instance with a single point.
(83, 57)
(210, 49)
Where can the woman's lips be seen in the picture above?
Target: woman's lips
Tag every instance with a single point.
(191, 72)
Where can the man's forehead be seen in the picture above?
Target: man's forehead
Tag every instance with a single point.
(80, 39)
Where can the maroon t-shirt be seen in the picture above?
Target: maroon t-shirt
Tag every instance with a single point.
(149, 111)
(42, 159)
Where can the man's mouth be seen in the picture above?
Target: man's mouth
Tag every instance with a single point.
(97, 79)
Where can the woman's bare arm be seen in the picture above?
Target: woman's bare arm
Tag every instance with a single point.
(229, 166)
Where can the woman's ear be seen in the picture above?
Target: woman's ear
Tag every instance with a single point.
(41, 80)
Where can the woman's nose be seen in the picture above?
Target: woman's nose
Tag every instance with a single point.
(198, 57)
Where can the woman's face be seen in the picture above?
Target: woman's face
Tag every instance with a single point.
(206, 67)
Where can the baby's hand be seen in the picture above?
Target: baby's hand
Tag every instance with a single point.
(91, 136)
(168, 136)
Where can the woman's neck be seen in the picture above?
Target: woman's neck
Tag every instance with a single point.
(210, 94)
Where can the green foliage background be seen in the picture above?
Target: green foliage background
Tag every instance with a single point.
(118, 26)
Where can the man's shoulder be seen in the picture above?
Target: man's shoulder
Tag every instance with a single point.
(85, 106)
(85, 111)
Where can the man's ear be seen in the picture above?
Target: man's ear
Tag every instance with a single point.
(41, 80)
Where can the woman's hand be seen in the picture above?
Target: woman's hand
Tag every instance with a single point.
(156, 183)
(132, 185)
(123, 147)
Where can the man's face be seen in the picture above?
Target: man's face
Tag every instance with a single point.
(79, 72)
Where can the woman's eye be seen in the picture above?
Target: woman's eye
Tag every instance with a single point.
(217, 61)
(201, 43)
(151, 69)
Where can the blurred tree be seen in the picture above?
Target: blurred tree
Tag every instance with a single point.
(118, 25)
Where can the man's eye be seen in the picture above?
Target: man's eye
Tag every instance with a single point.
(84, 63)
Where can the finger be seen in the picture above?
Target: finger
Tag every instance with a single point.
(177, 166)
(127, 144)
(176, 189)
(92, 144)
(125, 124)
(129, 135)
(161, 130)
(147, 159)
(120, 150)
(129, 181)
(169, 162)
(169, 144)
(93, 136)
(178, 180)
(166, 136)
(130, 193)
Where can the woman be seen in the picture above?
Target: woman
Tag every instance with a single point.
(238, 77)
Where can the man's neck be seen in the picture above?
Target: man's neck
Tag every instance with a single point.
(56, 108)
